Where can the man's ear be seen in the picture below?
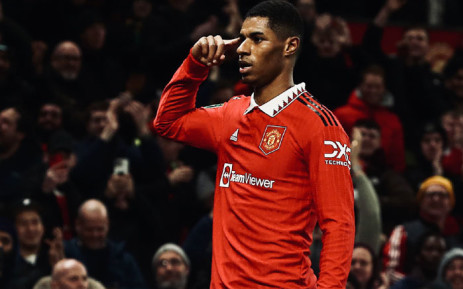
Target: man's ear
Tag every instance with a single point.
(292, 45)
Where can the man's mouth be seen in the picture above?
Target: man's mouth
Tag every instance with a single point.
(244, 66)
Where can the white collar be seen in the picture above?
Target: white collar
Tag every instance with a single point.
(279, 102)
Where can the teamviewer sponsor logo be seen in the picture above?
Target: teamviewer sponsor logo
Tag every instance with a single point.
(338, 151)
(229, 175)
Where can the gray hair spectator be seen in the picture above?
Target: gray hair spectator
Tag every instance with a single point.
(171, 267)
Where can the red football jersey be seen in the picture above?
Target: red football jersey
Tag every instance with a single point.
(282, 167)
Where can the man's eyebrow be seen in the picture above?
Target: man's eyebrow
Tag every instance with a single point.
(252, 34)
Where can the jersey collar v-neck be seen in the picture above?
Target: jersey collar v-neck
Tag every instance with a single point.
(278, 103)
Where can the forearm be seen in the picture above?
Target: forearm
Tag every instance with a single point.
(179, 96)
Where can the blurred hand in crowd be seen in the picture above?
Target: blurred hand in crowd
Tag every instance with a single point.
(58, 173)
(181, 174)
(140, 116)
(56, 251)
(121, 189)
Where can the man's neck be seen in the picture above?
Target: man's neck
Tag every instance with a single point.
(26, 251)
(267, 92)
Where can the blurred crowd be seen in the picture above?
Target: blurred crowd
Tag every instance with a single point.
(91, 198)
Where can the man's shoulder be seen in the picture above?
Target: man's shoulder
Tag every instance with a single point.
(232, 102)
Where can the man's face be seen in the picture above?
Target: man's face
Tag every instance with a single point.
(307, 10)
(74, 277)
(436, 202)
(454, 273)
(371, 141)
(431, 253)
(362, 265)
(9, 135)
(96, 122)
(417, 43)
(455, 83)
(431, 145)
(30, 228)
(260, 52)
(327, 44)
(67, 61)
(50, 117)
(142, 8)
(372, 89)
(171, 271)
(94, 36)
(6, 242)
(92, 231)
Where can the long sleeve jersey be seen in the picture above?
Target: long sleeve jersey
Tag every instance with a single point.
(282, 167)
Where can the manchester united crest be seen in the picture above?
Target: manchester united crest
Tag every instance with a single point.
(272, 138)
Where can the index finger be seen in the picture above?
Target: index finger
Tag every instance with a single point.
(230, 43)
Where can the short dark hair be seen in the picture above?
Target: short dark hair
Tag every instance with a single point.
(283, 18)
(367, 123)
(374, 70)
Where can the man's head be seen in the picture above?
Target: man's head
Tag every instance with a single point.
(50, 117)
(66, 59)
(453, 74)
(432, 141)
(12, 128)
(29, 224)
(371, 136)
(416, 43)
(171, 267)
(307, 9)
(451, 268)
(429, 251)
(96, 118)
(92, 224)
(69, 274)
(436, 198)
(272, 30)
(372, 87)
(93, 31)
(7, 246)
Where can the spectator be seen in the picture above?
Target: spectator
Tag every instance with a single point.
(36, 255)
(365, 268)
(453, 82)
(436, 199)
(395, 194)
(104, 259)
(427, 256)
(18, 154)
(68, 274)
(450, 270)
(171, 267)
(8, 252)
(49, 120)
(367, 102)
(410, 77)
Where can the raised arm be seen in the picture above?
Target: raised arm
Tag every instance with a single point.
(177, 118)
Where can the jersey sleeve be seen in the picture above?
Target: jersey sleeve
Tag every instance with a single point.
(178, 119)
(333, 195)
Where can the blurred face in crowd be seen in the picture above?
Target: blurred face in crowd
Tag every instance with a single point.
(9, 134)
(6, 241)
(453, 126)
(436, 202)
(67, 60)
(327, 44)
(30, 229)
(307, 10)
(171, 271)
(93, 37)
(96, 122)
(142, 8)
(417, 43)
(362, 265)
(454, 273)
(455, 83)
(431, 145)
(50, 117)
(92, 229)
(371, 141)
(431, 253)
(70, 274)
(372, 89)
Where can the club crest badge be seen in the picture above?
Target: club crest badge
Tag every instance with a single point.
(272, 138)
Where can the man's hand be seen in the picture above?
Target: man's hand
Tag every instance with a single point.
(211, 50)
(140, 115)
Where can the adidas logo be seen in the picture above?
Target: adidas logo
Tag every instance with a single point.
(234, 136)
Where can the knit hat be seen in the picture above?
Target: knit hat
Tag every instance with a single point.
(445, 261)
(171, 247)
(436, 180)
